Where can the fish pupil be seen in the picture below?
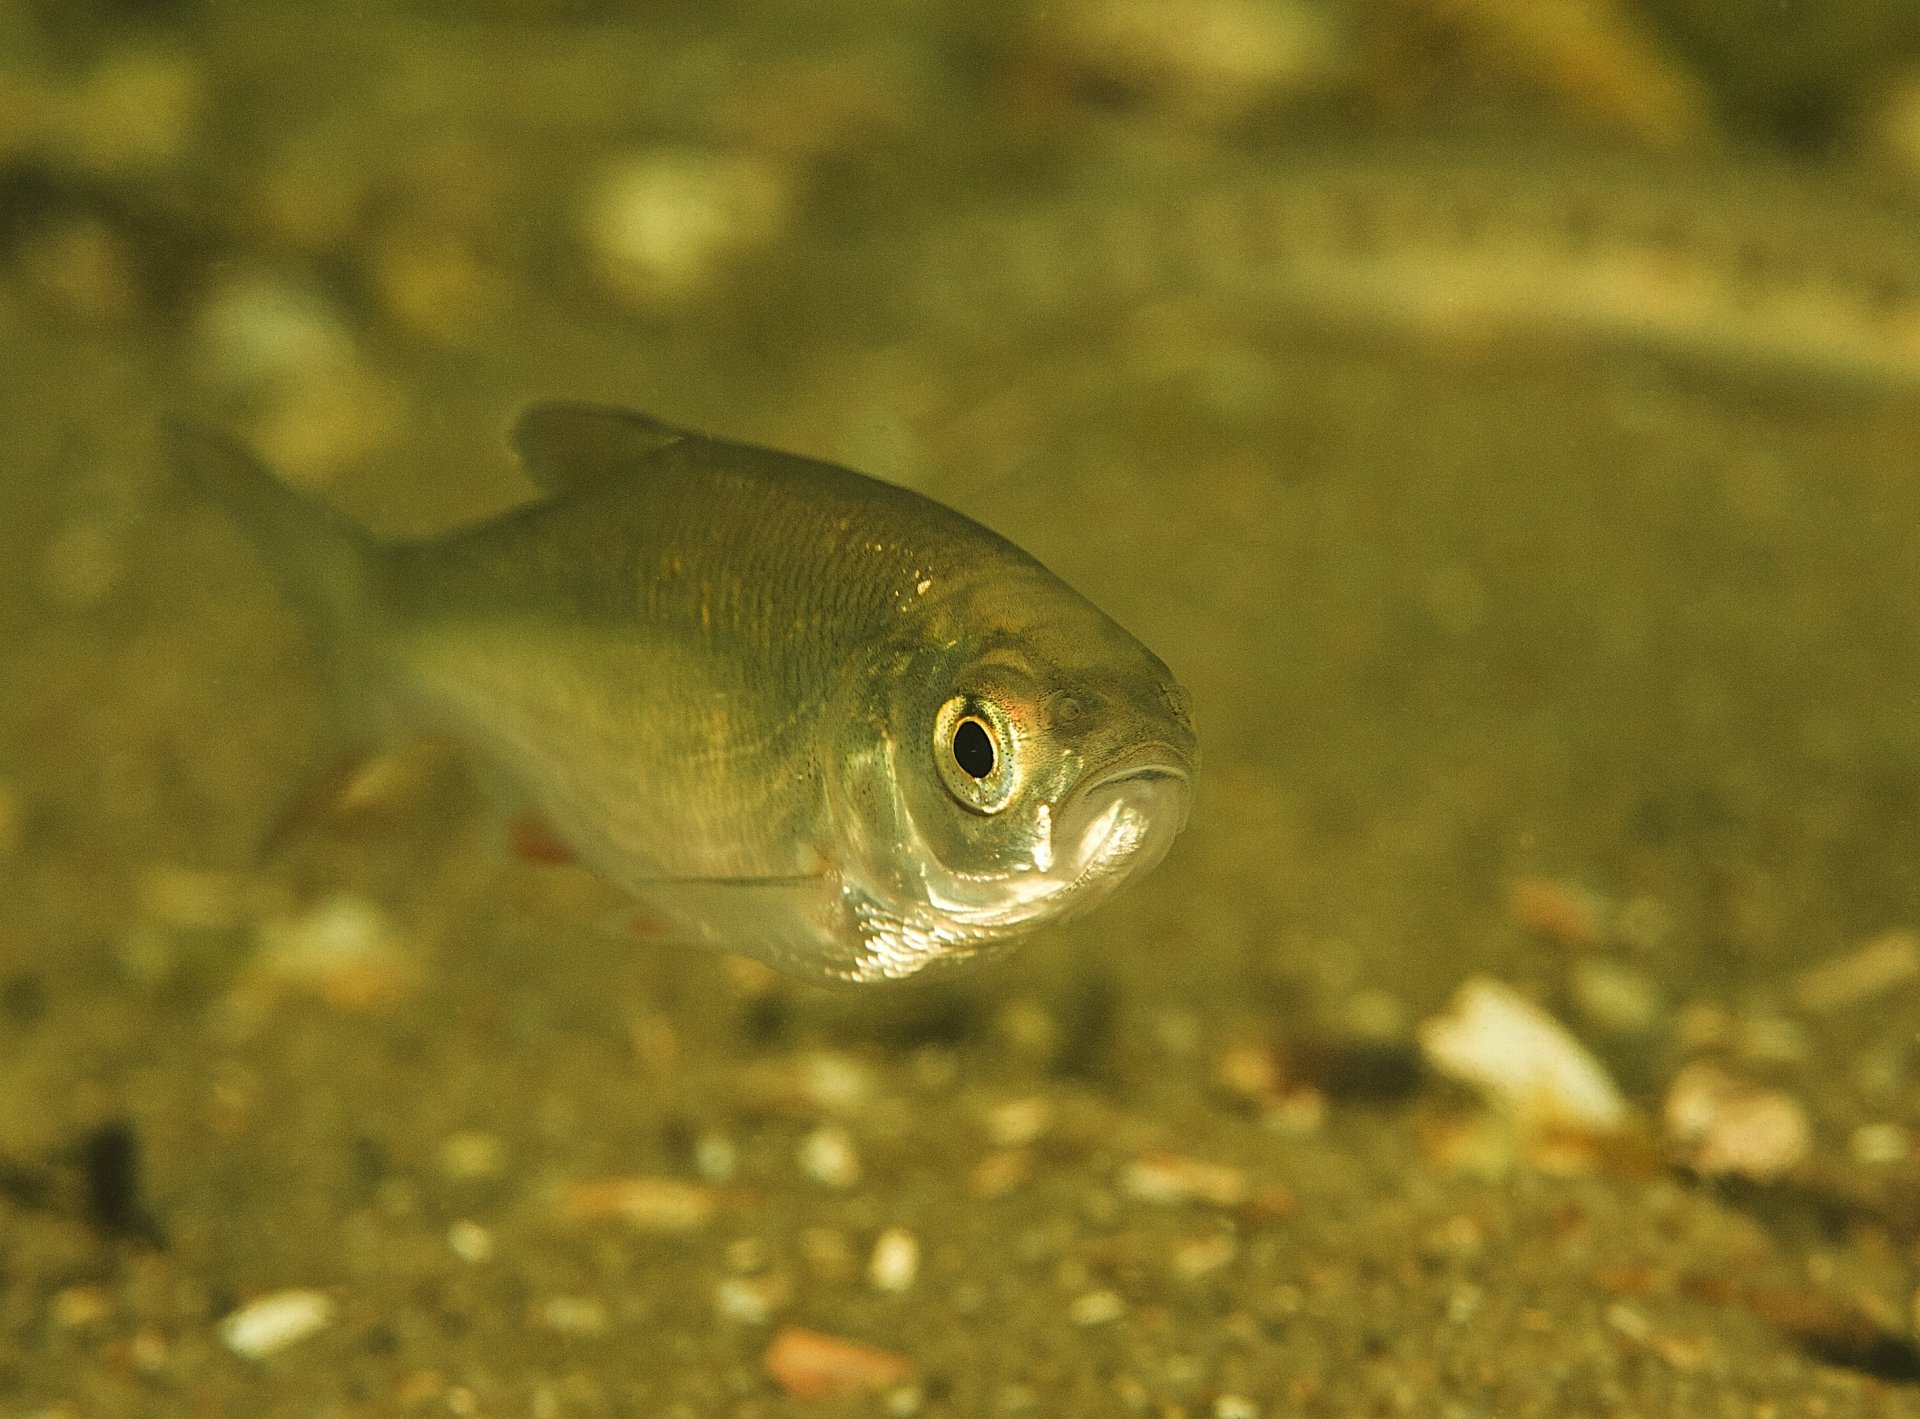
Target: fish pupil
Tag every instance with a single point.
(973, 748)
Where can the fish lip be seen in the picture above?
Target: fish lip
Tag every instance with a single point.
(1156, 764)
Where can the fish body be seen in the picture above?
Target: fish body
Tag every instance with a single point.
(801, 713)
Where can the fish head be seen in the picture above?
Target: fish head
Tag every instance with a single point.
(1031, 756)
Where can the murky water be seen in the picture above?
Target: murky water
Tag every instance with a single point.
(1506, 429)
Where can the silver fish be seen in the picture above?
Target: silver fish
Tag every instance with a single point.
(800, 713)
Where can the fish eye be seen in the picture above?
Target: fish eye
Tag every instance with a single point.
(973, 748)
(973, 743)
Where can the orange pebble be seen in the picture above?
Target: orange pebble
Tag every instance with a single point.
(809, 1365)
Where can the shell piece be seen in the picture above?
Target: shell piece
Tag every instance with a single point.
(809, 1365)
(1523, 1061)
(271, 1323)
(1718, 1125)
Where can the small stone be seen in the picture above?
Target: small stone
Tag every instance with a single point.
(574, 1315)
(470, 1241)
(1096, 1308)
(1018, 1122)
(999, 1173)
(345, 951)
(1200, 1258)
(661, 1205)
(827, 1155)
(806, 1085)
(1208, 62)
(669, 224)
(1523, 1061)
(751, 1300)
(1720, 1126)
(715, 1158)
(807, 1364)
(273, 1322)
(1563, 912)
(895, 1262)
(1888, 960)
(1167, 1178)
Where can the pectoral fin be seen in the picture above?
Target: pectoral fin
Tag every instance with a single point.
(799, 925)
(562, 445)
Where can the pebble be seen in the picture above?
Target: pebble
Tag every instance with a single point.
(807, 1364)
(1718, 1125)
(1096, 1308)
(1879, 965)
(1207, 62)
(1169, 1179)
(1522, 1061)
(574, 1315)
(1563, 912)
(817, 1082)
(750, 1300)
(1018, 1122)
(273, 1322)
(665, 225)
(470, 1241)
(345, 951)
(895, 1263)
(659, 1205)
(827, 1155)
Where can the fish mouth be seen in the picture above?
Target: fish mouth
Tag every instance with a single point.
(1123, 823)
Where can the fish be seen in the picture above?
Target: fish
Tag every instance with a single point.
(799, 713)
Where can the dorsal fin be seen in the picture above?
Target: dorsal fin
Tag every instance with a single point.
(562, 445)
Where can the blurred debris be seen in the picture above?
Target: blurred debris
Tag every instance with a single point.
(895, 1262)
(345, 952)
(1205, 63)
(1717, 1125)
(807, 1364)
(647, 1204)
(664, 226)
(1169, 1179)
(1563, 912)
(268, 1325)
(1522, 1061)
(1879, 965)
(282, 355)
(828, 1156)
(808, 1085)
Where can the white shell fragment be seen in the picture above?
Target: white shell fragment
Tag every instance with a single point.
(1718, 1125)
(895, 1261)
(1522, 1061)
(271, 1323)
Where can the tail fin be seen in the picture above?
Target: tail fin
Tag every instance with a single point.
(319, 559)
